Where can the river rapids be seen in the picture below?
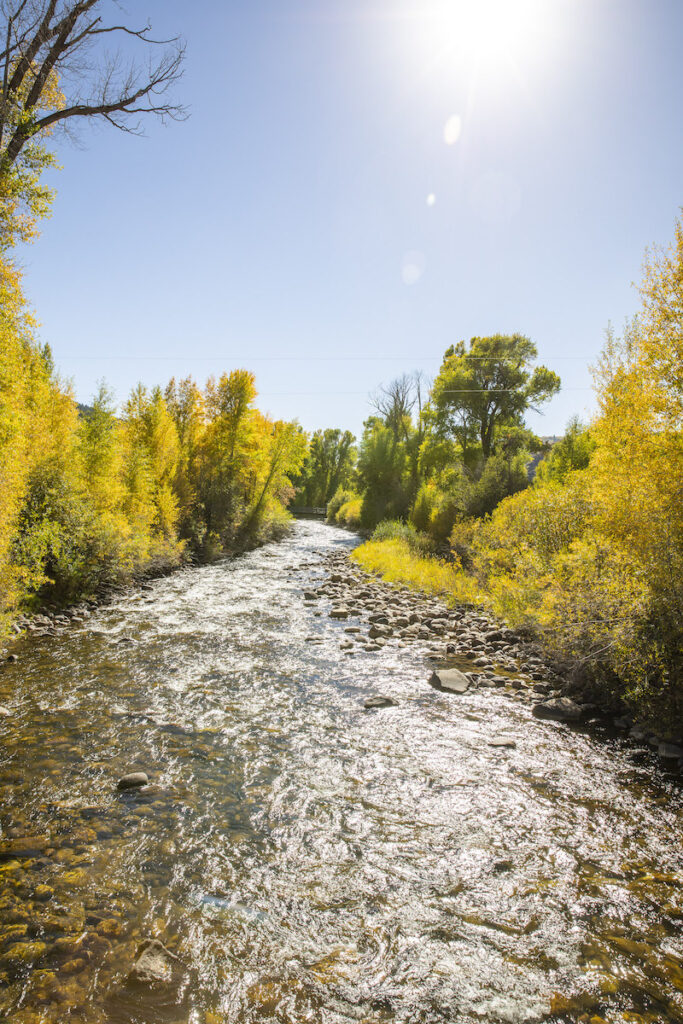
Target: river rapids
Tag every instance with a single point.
(306, 860)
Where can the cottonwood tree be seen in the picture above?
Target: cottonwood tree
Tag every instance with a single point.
(396, 401)
(487, 385)
(63, 61)
(328, 465)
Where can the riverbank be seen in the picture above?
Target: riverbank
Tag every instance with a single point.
(484, 652)
(48, 618)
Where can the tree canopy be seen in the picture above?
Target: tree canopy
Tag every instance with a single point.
(488, 384)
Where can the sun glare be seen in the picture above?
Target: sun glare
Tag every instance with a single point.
(479, 31)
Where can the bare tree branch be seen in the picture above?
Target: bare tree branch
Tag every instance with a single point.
(51, 43)
(395, 401)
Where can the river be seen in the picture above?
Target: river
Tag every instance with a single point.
(307, 860)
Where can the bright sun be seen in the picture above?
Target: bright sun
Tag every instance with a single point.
(482, 31)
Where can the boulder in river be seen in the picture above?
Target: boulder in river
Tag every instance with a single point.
(502, 741)
(133, 780)
(559, 709)
(339, 613)
(378, 702)
(450, 679)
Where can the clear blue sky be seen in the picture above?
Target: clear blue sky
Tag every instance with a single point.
(287, 225)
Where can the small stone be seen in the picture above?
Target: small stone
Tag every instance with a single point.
(110, 927)
(378, 702)
(73, 966)
(12, 658)
(155, 966)
(25, 952)
(503, 741)
(339, 613)
(133, 780)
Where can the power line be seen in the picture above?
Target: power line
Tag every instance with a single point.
(303, 359)
(475, 391)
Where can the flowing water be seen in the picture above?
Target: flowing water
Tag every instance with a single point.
(307, 860)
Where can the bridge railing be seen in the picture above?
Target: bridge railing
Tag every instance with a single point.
(301, 510)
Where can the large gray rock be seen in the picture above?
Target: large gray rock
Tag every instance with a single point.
(450, 679)
(559, 709)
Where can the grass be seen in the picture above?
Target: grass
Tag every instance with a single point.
(396, 562)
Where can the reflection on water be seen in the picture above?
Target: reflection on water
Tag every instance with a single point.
(307, 860)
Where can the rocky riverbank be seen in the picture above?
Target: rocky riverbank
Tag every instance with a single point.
(476, 652)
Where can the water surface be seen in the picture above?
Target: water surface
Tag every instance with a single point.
(305, 859)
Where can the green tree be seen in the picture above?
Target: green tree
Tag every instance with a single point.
(571, 453)
(488, 385)
(382, 466)
(328, 466)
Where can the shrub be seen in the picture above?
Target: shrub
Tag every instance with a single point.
(421, 511)
(398, 563)
(394, 529)
(350, 513)
(339, 498)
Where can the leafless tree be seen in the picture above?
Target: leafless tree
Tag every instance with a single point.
(395, 401)
(105, 69)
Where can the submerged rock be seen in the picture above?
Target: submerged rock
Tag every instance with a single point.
(379, 702)
(22, 846)
(450, 679)
(133, 780)
(155, 966)
(559, 709)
